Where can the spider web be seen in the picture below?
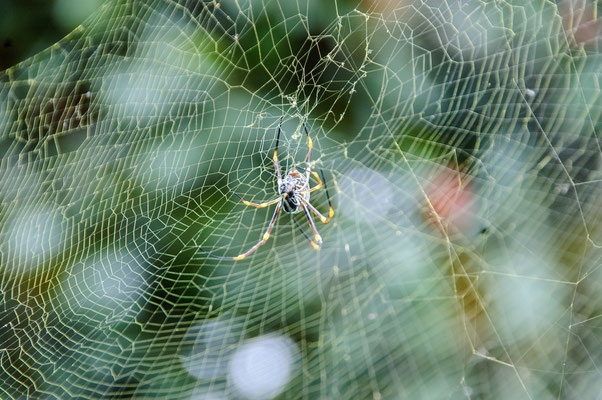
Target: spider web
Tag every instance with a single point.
(460, 143)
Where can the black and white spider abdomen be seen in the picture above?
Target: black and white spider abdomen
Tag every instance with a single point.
(292, 202)
(292, 187)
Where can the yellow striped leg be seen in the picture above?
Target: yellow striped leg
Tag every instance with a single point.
(313, 189)
(258, 205)
(264, 239)
(318, 213)
(314, 230)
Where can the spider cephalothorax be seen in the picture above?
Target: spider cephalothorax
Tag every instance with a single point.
(293, 197)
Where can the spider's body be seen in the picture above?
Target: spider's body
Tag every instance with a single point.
(293, 197)
(294, 189)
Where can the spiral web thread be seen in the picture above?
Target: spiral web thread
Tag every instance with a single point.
(461, 145)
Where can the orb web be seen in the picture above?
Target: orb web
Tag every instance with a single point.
(460, 144)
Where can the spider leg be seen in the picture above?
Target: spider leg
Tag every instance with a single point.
(276, 164)
(315, 211)
(313, 189)
(303, 232)
(318, 213)
(313, 228)
(258, 205)
(264, 239)
(309, 147)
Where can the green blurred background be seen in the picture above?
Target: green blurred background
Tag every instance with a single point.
(30, 26)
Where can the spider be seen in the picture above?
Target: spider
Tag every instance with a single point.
(293, 196)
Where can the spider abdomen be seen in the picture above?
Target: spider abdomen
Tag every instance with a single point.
(291, 205)
(292, 202)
